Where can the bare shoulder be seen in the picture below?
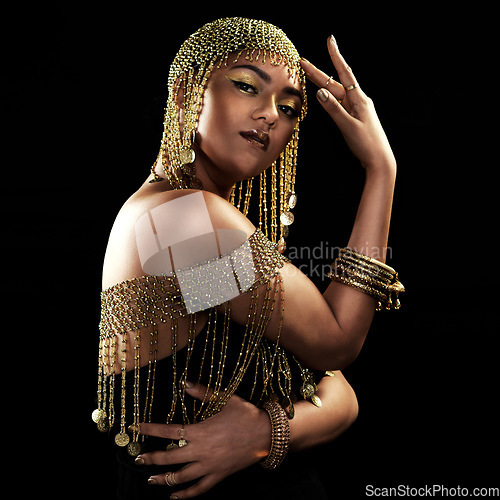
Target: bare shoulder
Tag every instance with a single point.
(153, 221)
(184, 206)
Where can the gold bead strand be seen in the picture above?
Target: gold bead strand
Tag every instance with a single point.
(263, 204)
(248, 195)
(112, 379)
(274, 225)
(134, 447)
(150, 384)
(122, 438)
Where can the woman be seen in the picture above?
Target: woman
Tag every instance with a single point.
(199, 302)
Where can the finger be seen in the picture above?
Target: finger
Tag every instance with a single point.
(170, 457)
(198, 391)
(321, 79)
(188, 473)
(166, 431)
(346, 76)
(332, 106)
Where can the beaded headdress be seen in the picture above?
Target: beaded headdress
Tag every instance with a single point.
(211, 47)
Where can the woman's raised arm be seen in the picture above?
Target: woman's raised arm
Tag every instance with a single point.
(328, 332)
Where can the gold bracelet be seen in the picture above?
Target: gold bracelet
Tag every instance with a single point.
(369, 276)
(280, 435)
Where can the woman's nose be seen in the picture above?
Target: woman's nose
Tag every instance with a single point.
(267, 111)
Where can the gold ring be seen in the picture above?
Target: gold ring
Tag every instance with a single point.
(328, 81)
(353, 86)
(182, 433)
(170, 479)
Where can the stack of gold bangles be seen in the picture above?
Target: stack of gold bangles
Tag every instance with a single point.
(368, 276)
(280, 435)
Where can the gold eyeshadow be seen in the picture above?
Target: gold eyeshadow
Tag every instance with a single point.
(248, 79)
(290, 103)
(244, 78)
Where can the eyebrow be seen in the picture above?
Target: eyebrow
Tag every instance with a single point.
(265, 76)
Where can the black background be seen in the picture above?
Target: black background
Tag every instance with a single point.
(82, 105)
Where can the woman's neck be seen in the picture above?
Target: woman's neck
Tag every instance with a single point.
(203, 173)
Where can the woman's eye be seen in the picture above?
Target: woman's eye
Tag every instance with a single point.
(245, 87)
(289, 111)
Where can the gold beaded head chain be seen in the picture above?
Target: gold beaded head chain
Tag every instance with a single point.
(212, 46)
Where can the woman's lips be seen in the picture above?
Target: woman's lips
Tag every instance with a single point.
(257, 138)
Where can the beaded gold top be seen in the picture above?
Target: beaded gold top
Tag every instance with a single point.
(135, 310)
(145, 301)
(137, 313)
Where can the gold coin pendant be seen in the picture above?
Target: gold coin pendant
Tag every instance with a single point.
(316, 401)
(122, 439)
(134, 448)
(286, 218)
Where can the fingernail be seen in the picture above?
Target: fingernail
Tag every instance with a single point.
(322, 95)
(152, 480)
(189, 384)
(174, 497)
(332, 39)
(139, 461)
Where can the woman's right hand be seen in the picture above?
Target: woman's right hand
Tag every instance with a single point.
(233, 439)
(352, 111)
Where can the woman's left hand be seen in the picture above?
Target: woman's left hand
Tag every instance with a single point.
(235, 438)
(352, 111)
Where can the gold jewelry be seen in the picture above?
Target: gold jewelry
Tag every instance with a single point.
(328, 81)
(309, 387)
(212, 46)
(353, 86)
(369, 276)
(133, 311)
(182, 433)
(280, 435)
(170, 479)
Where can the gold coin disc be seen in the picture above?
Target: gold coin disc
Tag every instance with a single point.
(307, 390)
(102, 425)
(316, 401)
(286, 218)
(281, 245)
(122, 439)
(189, 169)
(187, 156)
(98, 415)
(134, 448)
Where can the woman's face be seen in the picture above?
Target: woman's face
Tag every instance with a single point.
(248, 115)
